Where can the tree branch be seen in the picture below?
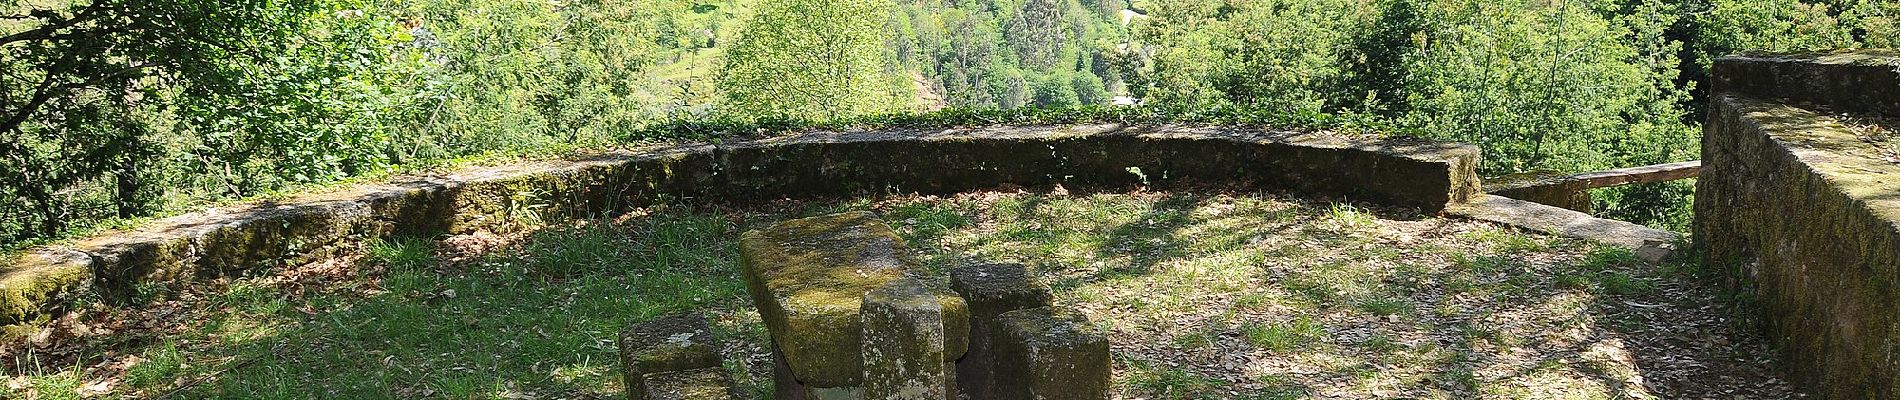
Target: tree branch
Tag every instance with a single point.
(91, 12)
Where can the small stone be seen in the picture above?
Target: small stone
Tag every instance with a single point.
(1046, 353)
(671, 343)
(903, 343)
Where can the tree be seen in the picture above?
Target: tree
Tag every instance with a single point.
(73, 76)
(814, 59)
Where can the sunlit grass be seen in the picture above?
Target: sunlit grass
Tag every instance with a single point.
(1205, 296)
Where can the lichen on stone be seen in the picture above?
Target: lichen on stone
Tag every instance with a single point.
(808, 278)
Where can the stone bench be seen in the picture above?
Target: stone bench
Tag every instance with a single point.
(1021, 347)
(829, 287)
(852, 316)
(673, 357)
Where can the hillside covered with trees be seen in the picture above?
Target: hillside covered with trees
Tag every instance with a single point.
(117, 110)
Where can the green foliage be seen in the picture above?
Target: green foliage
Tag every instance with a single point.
(117, 110)
(74, 79)
(810, 59)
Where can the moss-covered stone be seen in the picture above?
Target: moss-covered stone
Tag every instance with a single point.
(122, 261)
(1046, 353)
(693, 384)
(903, 343)
(1806, 221)
(808, 278)
(990, 290)
(1846, 80)
(1398, 171)
(1545, 187)
(670, 343)
(38, 279)
(1395, 171)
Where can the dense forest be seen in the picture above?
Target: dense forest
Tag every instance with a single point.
(117, 110)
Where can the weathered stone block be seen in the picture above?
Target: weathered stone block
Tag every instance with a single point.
(990, 290)
(903, 343)
(668, 344)
(1543, 188)
(1846, 80)
(37, 279)
(693, 384)
(808, 277)
(1650, 244)
(1049, 353)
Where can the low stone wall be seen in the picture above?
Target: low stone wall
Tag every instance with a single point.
(1852, 80)
(1397, 172)
(1804, 218)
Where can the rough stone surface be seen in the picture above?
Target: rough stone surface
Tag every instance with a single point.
(1851, 80)
(668, 344)
(808, 278)
(693, 384)
(1807, 223)
(1650, 244)
(1397, 171)
(991, 290)
(39, 279)
(903, 343)
(787, 387)
(1543, 188)
(218, 242)
(1046, 353)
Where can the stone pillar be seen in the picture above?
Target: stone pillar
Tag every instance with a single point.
(1047, 353)
(673, 357)
(990, 290)
(903, 343)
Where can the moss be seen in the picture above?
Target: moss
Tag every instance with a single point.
(808, 278)
(37, 279)
(1806, 221)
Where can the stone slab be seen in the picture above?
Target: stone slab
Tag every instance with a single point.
(1650, 244)
(808, 277)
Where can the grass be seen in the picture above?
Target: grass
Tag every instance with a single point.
(1203, 295)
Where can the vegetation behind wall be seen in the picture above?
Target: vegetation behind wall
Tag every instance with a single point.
(115, 110)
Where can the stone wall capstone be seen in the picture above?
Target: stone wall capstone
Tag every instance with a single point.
(1392, 171)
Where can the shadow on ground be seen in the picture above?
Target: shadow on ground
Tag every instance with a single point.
(1205, 295)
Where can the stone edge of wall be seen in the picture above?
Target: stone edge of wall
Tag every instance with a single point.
(1806, 224)
(1393, 171)
(1649, 244)
(1847, 80)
